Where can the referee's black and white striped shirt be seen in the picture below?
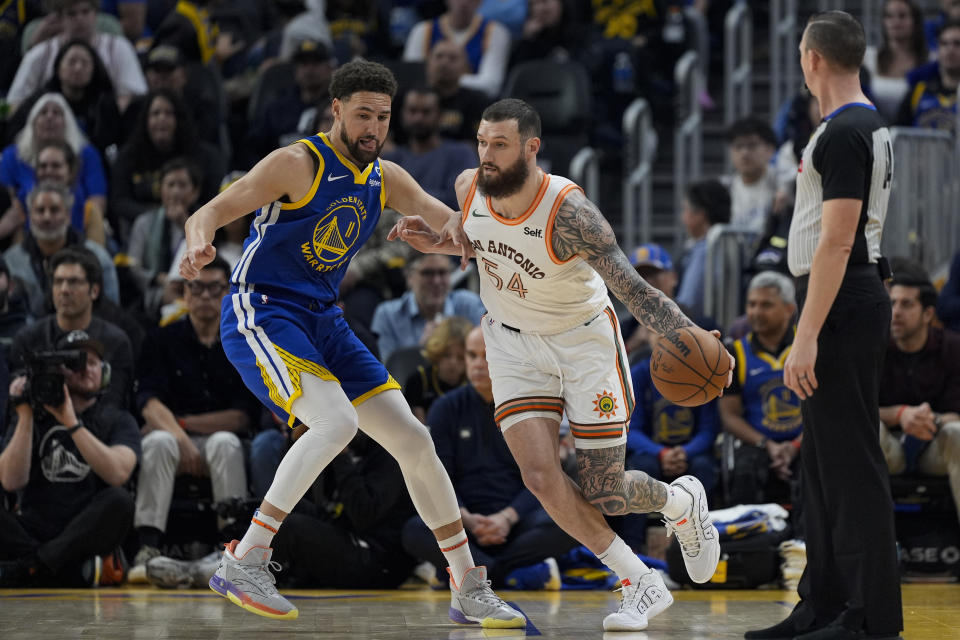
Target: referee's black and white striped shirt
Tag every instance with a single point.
(848, 156)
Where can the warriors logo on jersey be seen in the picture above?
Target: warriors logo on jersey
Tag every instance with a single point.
(780, 407)
(335, 234)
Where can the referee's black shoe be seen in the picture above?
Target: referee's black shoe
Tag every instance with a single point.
(836, 631)
(786, 629)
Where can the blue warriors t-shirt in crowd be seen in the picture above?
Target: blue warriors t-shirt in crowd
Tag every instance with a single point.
(768, 405)
(303, 248)
(656, 422)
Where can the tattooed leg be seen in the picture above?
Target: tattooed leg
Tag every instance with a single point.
(614, 491)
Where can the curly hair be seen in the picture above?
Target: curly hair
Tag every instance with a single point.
(362, 75)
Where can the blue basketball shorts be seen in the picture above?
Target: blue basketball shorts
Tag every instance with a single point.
(272, 340)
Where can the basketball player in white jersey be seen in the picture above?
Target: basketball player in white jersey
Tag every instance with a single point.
(547, 256)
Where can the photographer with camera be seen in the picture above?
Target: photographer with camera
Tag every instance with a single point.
(69, 456)
(76, 282)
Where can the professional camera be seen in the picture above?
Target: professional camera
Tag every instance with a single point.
(45, 377)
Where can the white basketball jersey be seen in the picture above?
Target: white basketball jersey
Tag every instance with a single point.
(522, 283)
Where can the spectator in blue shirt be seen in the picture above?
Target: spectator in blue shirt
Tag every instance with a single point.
(667, 441)
(932, 100)
(707, 203)
(508, 530)
(407, 321)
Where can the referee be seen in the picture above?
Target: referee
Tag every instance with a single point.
(850, 587)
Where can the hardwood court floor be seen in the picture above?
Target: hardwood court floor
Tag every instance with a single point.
(931, 612)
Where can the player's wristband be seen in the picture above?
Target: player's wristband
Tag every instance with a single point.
(900, 411)
(72, 430)
(796, 444)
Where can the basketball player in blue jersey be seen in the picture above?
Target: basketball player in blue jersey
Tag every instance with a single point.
(547, 259)
(317, 202)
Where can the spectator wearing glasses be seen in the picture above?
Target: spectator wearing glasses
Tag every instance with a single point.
(195, 409)
(408, 320)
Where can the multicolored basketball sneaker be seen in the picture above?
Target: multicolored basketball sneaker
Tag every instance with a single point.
(248, 583)
(475, 602)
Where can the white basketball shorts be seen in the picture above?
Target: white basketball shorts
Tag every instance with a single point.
(583, 371)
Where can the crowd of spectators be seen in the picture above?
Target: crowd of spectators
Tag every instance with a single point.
(120, 119)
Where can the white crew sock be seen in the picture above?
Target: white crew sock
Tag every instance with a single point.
(623, 561)
(457, 552)
(259, 534)
(678, 503)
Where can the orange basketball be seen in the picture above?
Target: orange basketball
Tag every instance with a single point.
(689, 366)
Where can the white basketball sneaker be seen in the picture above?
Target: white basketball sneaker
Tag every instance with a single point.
(639, 603)
(475, 602)
(695, 532)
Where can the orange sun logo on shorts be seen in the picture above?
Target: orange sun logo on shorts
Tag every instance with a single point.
(605, 404)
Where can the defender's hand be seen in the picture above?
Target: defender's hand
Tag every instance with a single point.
(453, 232)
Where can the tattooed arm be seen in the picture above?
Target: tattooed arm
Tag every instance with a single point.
(580, 229)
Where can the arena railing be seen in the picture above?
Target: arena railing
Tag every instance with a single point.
(688, 134)
(585, 171)
(728, 256)
(923, 218)
(640, 148)
(783, 53)
(869, 14)
(737, 63)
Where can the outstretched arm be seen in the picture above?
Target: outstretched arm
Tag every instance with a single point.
(428, 225)
(580, 229)
(288, 171)
(406, 196)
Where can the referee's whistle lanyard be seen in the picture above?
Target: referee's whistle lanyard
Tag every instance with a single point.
(840, 109)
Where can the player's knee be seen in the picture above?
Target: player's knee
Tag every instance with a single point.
(336, 420)
(160, 446)
(409, 442)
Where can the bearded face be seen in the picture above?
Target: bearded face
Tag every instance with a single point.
(501, 182)
(364, 149)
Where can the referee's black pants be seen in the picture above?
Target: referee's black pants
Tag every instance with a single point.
(852, 568)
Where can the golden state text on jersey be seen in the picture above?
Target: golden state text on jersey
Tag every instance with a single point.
(305, 246)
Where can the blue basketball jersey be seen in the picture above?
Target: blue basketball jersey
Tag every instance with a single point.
(475, 45)
(768, 405)
(304, 247)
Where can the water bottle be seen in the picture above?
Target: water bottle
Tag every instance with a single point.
(623, 73)
(674, 28)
